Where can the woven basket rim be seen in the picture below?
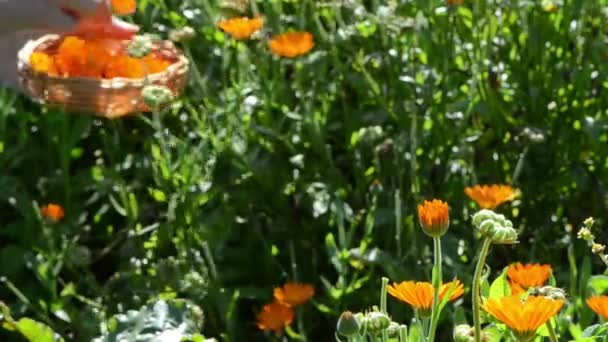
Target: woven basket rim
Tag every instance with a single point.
(179, 66)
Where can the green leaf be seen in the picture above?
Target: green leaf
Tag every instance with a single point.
(35, 331)
(500, 286)
(598, 283)
(158, 195)
(171, 320)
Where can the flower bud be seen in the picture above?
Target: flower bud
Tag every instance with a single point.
(393, 329)
(464, 333)
(377, 321)
(140, 46)
(348, 324)
(589, 221)
(486, 228)
(483, 215)
(183, 34)
(156, 96)
(434, 217)
(585, 234)
(597, 248)
(504, 235)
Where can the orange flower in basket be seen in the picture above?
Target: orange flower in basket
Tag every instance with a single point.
(124, 7)
(43, 62)
(292, 44)
(96, 58)
(241, 28)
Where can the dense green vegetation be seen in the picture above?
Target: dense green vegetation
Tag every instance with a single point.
(270, 170)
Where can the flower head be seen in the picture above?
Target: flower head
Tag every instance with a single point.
(420, 294)
(123, 7)
(523, 317)
(275, 317)
(599, 304)
(53, 212)
(434, 217)
(241, 28)
(294, 294)
(522, 277)
(490, 196)
(292, 44)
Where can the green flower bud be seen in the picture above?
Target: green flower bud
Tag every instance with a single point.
(483, 215)
(464, 333)
(140, 46)
(597, 248)
(348, 324)
(393, 329)
(589, 222)
(156, 96)
(377, 321)
(487, 227)
(504, 235)
(585, 234)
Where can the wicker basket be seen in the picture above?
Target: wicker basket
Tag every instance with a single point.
(109, 98)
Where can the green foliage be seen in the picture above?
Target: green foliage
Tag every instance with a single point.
(270, 170)
(162, 321)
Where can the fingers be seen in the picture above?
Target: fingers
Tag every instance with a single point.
(114, 28)
(82, 7)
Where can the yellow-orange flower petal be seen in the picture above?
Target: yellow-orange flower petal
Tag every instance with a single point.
(490, 196)
(522, 277)
(43, 62)
(241, 28)
(53, 212)
(294, 294)
(275, 317)
(599, 304)
(124, 7)
(419, 295)
(292, 44)
(434, 217)
(523, 317)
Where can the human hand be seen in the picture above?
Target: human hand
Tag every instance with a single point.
(23, 20)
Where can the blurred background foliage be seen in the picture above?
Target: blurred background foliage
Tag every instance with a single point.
(270, 170)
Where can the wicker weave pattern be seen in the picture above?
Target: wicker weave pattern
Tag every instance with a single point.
(109, 98)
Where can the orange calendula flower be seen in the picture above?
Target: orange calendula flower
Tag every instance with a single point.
(43, 62)
(275, 317)
(455, 2)
(490, 196)
(434, 217)
(522, 277)
(599, 304)
(419, 294)
(292, 44)
(124, 7)
(523, 317)
(241, 28)
(294, 294)
(53, 212)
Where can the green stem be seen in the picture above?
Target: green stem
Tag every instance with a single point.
(476, 285)
(383, 305)
(403, 333)
(421, 325)
(437, 281)
(552, 334)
